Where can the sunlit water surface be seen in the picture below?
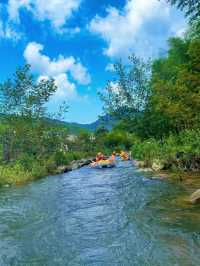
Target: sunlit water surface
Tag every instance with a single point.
(98, 217)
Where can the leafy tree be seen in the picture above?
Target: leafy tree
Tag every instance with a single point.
(193, 31)
(129, 93)
(23, 105)
(24, 96)
(101, 132)
(175, 86)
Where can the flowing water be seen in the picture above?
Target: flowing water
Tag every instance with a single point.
(98, 217)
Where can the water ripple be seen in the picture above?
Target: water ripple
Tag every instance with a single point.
(98, 217)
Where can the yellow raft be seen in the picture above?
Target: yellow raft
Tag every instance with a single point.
(104, 164)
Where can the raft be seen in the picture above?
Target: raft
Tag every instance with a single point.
(104, 164)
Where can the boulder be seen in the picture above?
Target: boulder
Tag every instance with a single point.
(85, 162)
(139, 163)
(68, 168)
(195, 197)
(72, 166)
(60, 169)
(75, 165)
(157, 165)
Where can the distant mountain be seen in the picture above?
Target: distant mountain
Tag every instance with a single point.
(74, 128)
(104, 121)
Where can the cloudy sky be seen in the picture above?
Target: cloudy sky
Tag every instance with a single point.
(76, 42)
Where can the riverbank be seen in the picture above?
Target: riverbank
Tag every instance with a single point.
(188, 180)
(188, 177)
(16, 174)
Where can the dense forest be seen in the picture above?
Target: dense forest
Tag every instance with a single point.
(156, 104)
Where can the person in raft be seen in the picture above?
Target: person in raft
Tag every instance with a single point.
(99, 157)
(124, 156)
(112, 157)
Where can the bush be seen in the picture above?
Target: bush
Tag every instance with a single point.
(147, 151)
(176, 151)
(26, 161)
(61, 158)
(189, 142)
(13, 174)
(38, 170)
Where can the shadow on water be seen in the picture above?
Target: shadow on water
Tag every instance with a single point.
(99, 217)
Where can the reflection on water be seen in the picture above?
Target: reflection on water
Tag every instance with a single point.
(99, 217)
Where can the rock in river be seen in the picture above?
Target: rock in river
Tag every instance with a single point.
(157, 165)
(139, 163)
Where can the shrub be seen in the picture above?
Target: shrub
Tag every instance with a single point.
(176, 151)
(147, 150)
(61, 158)
(38, 170)
(13, 174)
(26, 161)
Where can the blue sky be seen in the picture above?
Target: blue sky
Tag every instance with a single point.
(76, 42)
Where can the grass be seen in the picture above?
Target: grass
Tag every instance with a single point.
(28, 168)
(176, 152)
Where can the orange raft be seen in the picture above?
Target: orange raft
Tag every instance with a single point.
(103, 164)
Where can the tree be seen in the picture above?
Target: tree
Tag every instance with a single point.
(175, 84)
(101, 132)
(193, 31)
(129, 93)
(23, 108)
(24, 96)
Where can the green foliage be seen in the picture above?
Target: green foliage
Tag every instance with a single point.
(60, 158)
(24, 96)
(13, 175)
(129, 93)
(16, 174)
(193, 31)
(26, 161)
(166, 100)
(118, 140)
(25, 128)
(175, 86)
(189, 142)
(180, 151)
(147, 150)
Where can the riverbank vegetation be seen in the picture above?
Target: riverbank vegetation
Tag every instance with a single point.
(33, 144)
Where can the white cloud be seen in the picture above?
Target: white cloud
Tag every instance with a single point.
(65, 87)
(60, 69)
(14, 6)
(6, 29)
(55, 11)
(8, 32)
(125, 30)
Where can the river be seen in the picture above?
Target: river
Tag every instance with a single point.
(105, 217)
